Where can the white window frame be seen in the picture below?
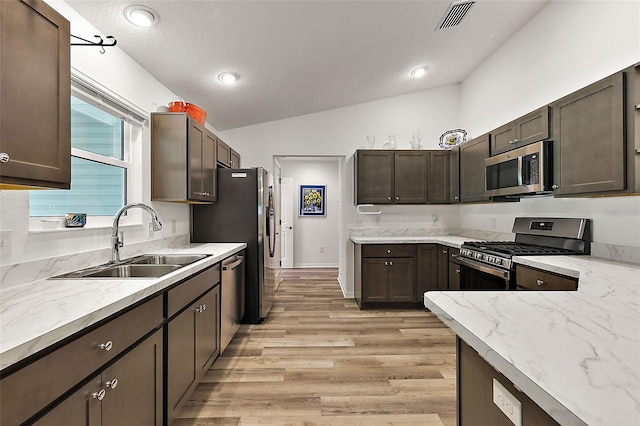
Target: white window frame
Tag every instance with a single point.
(135, 120)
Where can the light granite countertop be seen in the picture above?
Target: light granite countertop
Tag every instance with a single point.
(575, 353)
(447, 240)
(38, 314)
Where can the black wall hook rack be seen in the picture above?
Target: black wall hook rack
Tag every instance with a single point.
(101, 43)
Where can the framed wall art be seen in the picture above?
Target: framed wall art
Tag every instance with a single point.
(312, 200)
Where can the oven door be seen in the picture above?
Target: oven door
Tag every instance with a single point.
(479, 276)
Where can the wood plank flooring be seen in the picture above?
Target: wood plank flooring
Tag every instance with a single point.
(319, 360)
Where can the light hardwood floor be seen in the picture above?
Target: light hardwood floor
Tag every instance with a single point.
(319, 360)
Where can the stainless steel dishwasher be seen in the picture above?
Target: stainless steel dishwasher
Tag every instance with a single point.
(232, 296)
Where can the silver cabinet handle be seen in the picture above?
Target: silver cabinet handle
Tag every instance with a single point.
(457, 271)
(444, 252)
(112, 383)
(204, 307)
(456, 198)
(4, 157)
(386, 263)
(516, 140)
(200, 308)
(99, 395)
(389, 198)
(388, 251)
(106, 346)
(555, 187)
(540, 282)
(511, 142)
(397, 198)
(454, 255)
(390, 263)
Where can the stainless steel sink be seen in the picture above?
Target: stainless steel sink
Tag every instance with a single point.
(166, 259)
(134, 271)
(143, 266)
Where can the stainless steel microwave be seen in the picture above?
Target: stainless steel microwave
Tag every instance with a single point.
(522, 171)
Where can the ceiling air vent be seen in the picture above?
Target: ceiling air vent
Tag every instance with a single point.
(455, 14)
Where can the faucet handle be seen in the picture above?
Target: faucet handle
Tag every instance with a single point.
(120, 239)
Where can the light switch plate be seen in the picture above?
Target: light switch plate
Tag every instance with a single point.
(507, 403)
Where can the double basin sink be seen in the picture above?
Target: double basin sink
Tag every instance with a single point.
(143, 266)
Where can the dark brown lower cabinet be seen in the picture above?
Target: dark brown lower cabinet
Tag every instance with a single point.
(129, 392)
(475, 394)
(454, 269)
(193, 343)
(427, 272)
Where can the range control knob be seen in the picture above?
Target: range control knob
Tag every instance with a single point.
(498, 261)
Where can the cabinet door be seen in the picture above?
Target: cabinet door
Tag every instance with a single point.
(136, 398)
(502, 138)
(533, 127)
(443, 267)
(207, 325)
(235, 159)
(472, 172)
(196, 171)
(209, 148)
(411, 173)
(374, 177)
(402, 284)
(82, 408)
(589, 143)
(427, 270)
(454, 276)
(180, 358)
(375, 280)
(454, 173)
(439, 177)
(35, 96)
(224, 153)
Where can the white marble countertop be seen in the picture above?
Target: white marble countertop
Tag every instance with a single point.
(37, 314)
(447, 240)
(575, 353)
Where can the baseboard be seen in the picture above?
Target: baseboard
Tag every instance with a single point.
(315, 265)
(345, 293)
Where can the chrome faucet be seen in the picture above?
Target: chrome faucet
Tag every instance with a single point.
(116, 242)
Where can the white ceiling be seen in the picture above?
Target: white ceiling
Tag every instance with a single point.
(300, 57)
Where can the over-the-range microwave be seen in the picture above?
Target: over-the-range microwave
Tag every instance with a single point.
(520, 172)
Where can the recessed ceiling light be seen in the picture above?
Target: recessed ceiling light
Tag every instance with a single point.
(419, 72)
(228, 77)
(141, 16)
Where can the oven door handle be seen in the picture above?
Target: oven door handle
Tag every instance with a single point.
(500, 273)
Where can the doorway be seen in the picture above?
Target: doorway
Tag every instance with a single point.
(310, 241)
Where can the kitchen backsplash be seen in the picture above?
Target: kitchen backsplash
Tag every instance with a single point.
(12, 275)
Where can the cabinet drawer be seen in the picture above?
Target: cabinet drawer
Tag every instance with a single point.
(535, 279)
(186, 292)
(389, 250)
(33, 387)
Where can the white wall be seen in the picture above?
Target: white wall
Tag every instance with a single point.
(568, 45)
(118, 72)
(340, 132)
(313, 232)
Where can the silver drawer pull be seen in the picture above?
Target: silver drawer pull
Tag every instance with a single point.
(540, 282)
(112, 383)
(106, 346)
(389, 251)
(555, 187)
(386, 263)
(457, 271)
(4, 157)
(444, 252)
(390, 263)
(98, 395)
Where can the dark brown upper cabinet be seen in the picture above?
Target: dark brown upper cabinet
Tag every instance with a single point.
(35, 97)
(444, 180)
(235, 159)
(589, 139)
(391, 177)
(183, 160)
(224, 153)
(472, 171)
(525, 130)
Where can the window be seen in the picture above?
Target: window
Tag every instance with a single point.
(103, 129)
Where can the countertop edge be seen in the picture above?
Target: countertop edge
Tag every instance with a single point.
(35, 344)
(549, 404)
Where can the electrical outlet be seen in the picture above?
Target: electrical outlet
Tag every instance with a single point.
(321, 249)
(507, 403)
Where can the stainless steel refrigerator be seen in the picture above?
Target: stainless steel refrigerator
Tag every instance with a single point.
(244, 212)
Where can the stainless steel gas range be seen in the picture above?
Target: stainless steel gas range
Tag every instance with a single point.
(488, 265)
